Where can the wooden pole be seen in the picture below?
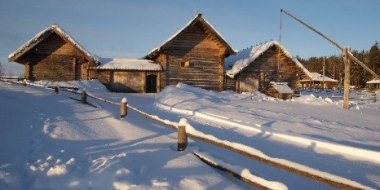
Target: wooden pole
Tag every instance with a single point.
(323, 75)
(346, 86)
(84, 97)
(123, 107)
(349, 54)
(182, 135)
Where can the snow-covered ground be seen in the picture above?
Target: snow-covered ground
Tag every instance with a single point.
(50, 141)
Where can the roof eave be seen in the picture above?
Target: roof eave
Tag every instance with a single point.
(65, 36)
(19, 52)
(198, 18)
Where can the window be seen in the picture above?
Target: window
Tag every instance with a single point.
(184, 63)
(187, 64)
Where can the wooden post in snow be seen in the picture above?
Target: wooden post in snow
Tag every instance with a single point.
(24, 82)
(84, 97)
(123, 107)
(346, 86)
(323, 72)
(182, 135)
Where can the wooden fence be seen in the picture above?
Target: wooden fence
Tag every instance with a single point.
(241, 149)
(246, 151)
(364, 95)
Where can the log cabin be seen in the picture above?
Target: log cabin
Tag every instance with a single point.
(54, 55)
(253, 69)
(194, 55)
(129, 75)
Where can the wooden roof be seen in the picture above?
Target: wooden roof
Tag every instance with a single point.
(281, 87)
(38, 38)
(245, 57)
(197, 19)
(319, 78)
(374, 81)
(128, 65)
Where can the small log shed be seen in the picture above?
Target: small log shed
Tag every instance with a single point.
(129, 75)
(279, 90)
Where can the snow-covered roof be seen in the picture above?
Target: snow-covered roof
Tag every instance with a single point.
(128, 64)
(43, 35)
(374, 81)
(282, 87)
(197, 18)
(318, 77)
(245, 57)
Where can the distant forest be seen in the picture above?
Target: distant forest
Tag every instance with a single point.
(334, 67)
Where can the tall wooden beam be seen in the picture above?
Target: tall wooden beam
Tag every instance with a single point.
(349, 54)
(346, 95)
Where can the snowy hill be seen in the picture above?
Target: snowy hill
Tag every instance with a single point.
(50, 141)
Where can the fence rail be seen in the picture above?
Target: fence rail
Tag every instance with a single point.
(364, 95)
(10, 79)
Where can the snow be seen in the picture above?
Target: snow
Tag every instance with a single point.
(318, 77)
(374, 81)
(244, 57)
(49, 141)
(129, 64)
(124, 100)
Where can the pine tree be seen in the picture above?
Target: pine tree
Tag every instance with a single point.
(335, 66)
(374, 58)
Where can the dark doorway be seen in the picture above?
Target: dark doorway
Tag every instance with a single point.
(78, 70)
(151, 84)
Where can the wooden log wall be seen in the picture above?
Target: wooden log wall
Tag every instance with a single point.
(162, 60)
(264, 70)
(55, 59)
(194, 57)
(104, 77)
(131, 82)
(230, 84)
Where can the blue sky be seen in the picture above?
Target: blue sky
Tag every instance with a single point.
(130, 29)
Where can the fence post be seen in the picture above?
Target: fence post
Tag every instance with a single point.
(182, 135)
(56, 89)
(84, 97)
(123, 107)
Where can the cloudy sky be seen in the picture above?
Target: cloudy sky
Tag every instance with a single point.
(130, 29)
